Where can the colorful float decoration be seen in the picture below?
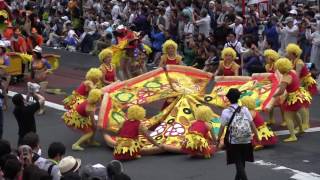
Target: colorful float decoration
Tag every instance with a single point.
(183, 85)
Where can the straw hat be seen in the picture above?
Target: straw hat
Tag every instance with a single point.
(69, 164)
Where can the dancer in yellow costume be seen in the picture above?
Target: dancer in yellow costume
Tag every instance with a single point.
(170, 55)
(199, 139)
(228, 66)
(82, 118)
(127, 143)
(266, 136)
(93, 77)
(297, 98)
(107, 68)
(271, 57)
(294, 52)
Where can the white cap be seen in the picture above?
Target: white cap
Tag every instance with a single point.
(293, 11)
(37, 49)
(65, 18)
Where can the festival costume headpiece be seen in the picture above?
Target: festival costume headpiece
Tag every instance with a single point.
(249, 102)
(294, 48)
(229, 51)
(284, 65)
(104, 53)
(94, 73)
(204, 113)
(167, 44)
(136, 112)
(273, 55)
(94, 96)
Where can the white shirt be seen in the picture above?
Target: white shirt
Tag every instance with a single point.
(235, 45)
(115, 12)
(290, 35)
(188, 29)
(204, 25)
(238, 30)
(226, 116)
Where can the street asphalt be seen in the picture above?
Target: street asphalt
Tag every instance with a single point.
(300, 160)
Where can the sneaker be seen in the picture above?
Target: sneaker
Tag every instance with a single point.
(76, 147)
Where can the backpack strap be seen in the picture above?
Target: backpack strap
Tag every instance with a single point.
(50, 168)
(237, 110)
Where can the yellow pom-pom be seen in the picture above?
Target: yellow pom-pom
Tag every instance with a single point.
(294, 49)
(94, 73)
(105, 53)
(204, 113)
(94, 96)
(273, 55)
(249, 102)
(167, 44)
(228, 51)
(147, 49)
(136, 112)
(284, 65)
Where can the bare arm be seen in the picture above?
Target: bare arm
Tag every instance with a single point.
(38, 98)
(144, 131)
(281, 89)
(298, 69)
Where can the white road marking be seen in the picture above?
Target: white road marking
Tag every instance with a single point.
(61, 108)
(296, 174)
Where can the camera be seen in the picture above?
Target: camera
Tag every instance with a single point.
(33, 87)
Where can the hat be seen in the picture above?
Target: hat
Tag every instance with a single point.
(69, 164)
(293, 11)
(239, 18)
(97, 172)
(37, 49)
(65, 18)
(212, 2)
(289, 19)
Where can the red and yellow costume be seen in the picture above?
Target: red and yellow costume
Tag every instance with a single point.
(228, 67)
(229, 70)
(306, 79)
(267, 136)
(108, 71)
(171, 61)
(196, 141)
(93, 77)
(271, 56)
(78, 95)
(80, 117)
(174, 58)
(295, 105)
(107, 68)
(199, 136)
(77, 118)
(297, 97)
(127, 143)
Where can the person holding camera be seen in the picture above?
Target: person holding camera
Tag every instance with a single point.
(24, 113)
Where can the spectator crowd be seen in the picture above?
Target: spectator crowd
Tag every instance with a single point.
(201, 28)
(28, 163)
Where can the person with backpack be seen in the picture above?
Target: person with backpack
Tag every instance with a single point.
(233, 43)
(56, 152)
(238, 137)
